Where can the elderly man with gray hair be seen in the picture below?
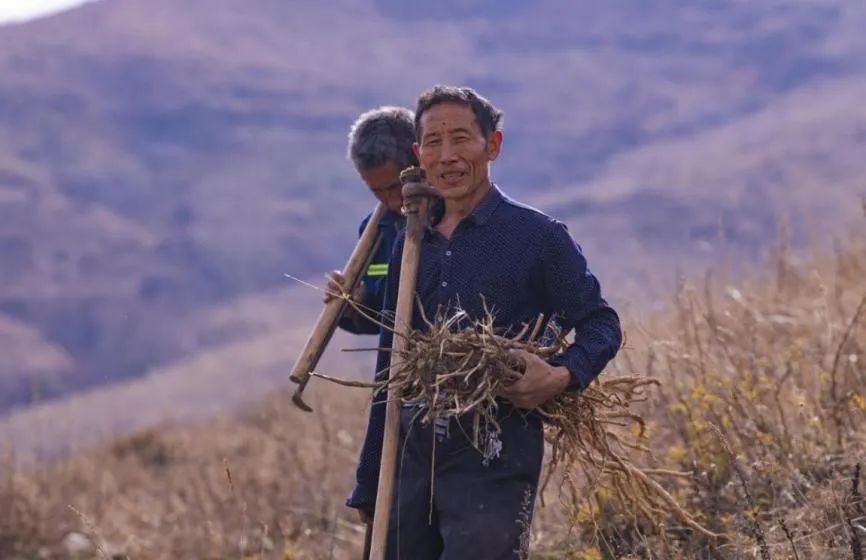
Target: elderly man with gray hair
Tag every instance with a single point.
(380, 146)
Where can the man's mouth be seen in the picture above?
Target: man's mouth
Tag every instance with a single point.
(452, 177)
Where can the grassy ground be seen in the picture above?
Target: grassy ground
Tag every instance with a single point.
(762, 403)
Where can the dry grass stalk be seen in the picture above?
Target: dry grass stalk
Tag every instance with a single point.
(856, 504)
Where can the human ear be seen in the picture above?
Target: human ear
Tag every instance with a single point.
(494, 145)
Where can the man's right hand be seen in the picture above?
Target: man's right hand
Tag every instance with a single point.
(336, 285)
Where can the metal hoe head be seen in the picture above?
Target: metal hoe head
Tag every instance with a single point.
(297, 399)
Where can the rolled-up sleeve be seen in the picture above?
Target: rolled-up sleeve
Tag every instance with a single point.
(574, 294)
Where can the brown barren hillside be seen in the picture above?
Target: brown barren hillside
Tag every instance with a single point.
(248, 345)
(27, 356)
(160, 159)
(759, 411)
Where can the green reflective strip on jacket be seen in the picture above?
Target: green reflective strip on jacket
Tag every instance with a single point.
(380, 269)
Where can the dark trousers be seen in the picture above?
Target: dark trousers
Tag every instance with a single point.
(472, 511)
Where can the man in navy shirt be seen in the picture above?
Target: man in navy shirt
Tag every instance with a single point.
(380, 146)
(484, 250)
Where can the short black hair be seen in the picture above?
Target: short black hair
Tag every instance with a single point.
(382, 135)
(489, 117)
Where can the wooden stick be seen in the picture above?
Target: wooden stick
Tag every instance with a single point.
(368, 540)
(416, 198)
(333, 310)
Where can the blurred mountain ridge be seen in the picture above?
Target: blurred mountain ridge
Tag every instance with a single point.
(163, 164)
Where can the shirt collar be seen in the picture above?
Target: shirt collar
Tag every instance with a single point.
(482, 211)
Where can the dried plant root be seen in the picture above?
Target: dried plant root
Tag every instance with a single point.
(457, 366)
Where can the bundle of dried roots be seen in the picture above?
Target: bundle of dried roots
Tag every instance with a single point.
(456, 367)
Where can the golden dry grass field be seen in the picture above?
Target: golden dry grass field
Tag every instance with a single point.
(762, 404)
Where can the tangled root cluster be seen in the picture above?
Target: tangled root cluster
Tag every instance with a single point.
(457, 366)
(450, 371)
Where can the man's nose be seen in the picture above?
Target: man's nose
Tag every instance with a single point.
(448, 153)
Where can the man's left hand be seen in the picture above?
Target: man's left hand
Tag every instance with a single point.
(539, 383)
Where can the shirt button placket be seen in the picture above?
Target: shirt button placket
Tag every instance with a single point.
(446, 269)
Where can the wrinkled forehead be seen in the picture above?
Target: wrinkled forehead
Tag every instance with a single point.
(447, 117)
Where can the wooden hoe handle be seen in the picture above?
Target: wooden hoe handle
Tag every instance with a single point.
(417, 195)
(358, 262)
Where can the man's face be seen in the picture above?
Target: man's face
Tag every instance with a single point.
(454, 152)
(384, 183)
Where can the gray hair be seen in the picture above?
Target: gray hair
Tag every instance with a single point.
(382, 135)
(489, 117)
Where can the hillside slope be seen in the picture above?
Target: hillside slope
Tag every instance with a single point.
(163, 158)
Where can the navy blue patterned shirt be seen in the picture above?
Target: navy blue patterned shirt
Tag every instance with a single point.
(519, 263)
(375, 278)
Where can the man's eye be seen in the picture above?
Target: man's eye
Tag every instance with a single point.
(461, 139)
(434, 142)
